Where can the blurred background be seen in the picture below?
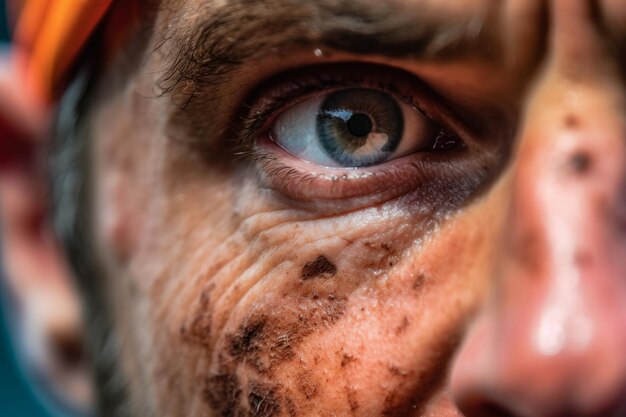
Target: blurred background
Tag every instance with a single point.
(16, 397)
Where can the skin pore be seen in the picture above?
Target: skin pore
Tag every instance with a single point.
(242, 281)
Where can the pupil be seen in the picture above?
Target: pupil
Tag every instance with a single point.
(359, 125)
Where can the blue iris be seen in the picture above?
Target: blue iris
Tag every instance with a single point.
(359, 127)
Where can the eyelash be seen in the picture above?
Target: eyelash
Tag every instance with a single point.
(313, 81)
(373, 184)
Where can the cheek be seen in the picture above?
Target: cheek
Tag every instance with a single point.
(274, 310)
(229, 301)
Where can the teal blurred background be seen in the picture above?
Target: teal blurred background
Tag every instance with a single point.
(16, 399)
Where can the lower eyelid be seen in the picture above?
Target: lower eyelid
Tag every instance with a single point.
(308, 184)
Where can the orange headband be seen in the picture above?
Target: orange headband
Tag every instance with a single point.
(49, 36)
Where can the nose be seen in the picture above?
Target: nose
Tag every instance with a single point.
(552, 338)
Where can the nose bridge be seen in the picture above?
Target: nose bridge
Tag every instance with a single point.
(561, 300)
(552, 341)
(568, 201)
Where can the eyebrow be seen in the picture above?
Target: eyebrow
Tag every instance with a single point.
(211, 41)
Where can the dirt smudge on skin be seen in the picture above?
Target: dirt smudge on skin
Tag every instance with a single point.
(396, 371)
(197, 330)
(419, 281)
(347, 359)
(222, 392)
(292, 410)
(265, 341)
(246, 341)
(404, 324)
(320, 267)
(306, 385)
(380, 256)
(352, 399)
(263, 400)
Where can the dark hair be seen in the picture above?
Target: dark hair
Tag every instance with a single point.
(71, 210)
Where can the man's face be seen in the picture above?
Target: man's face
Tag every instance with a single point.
(309, 218)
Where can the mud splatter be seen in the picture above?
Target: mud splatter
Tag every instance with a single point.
(223, 393)
(320, 267)
(246, 341)
(198, 329)
(262, 400)
(265, 342)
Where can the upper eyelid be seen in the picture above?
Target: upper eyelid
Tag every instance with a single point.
(218, 43)
(276, 92)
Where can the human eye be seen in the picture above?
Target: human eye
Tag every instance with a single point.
(356, 128)
(358, 135)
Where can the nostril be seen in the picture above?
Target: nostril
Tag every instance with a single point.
(496, 410)
(486, 408)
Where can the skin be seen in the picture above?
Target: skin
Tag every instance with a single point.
(488, 285)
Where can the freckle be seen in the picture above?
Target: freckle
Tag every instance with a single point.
(572, 122)
(320, 267)
(404, 324)
(580, 162)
